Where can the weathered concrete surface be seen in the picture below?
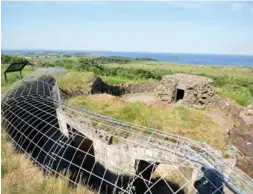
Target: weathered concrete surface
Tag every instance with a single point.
(119, 155)
(198, 90)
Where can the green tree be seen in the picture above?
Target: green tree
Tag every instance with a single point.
(6, 59)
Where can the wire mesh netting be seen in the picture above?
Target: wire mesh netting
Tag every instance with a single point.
(108, 155)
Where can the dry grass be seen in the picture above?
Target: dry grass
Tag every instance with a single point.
(21, 176)
(184, 121)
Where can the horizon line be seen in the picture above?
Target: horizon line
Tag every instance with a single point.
(160, 52)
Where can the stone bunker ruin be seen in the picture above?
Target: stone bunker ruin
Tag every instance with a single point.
(192, 90)
(99, 86)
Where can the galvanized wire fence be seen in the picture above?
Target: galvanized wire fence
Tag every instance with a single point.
(108, 155)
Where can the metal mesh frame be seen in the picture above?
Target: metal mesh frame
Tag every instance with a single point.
(30, 119)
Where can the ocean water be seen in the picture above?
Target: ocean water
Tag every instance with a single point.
(197, 59)
(200, 59)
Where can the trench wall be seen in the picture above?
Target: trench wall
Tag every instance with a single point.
(118, 156)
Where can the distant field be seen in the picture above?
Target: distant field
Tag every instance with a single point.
(208, 70)
(234, 83)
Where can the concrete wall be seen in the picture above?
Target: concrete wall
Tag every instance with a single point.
(121, 155)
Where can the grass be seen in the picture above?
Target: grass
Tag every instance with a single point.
(75, 80)
(208, 70)
(239, 94)
(12, 77)
(80, 80)
(184, 121)
(20, 176)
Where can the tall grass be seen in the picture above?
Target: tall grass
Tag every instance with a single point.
(240, 94)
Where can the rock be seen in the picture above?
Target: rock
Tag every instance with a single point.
(250, 106)
(248, 112)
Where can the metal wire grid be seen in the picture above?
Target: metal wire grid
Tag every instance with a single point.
(29, 117)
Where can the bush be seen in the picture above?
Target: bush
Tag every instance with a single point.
(250, 87)
(113, 59)
(129, 73)
(7, 59)
(240, 94)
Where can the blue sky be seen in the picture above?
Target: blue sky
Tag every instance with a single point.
(173, 27)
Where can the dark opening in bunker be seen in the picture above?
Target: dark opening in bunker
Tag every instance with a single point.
(180, 95)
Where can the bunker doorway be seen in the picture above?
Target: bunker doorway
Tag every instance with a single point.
(180, 94)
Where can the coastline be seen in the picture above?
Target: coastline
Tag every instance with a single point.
(178, 58)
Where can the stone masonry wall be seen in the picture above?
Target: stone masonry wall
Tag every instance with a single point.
(99, 86)
(138, 88)
(198, 91)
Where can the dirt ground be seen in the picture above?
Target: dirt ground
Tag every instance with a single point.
(142, 97)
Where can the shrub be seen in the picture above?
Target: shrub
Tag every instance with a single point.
(240, 94)
(11, 59)
(113, 59)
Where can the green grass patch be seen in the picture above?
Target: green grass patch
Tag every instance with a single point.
(75, 80)
(12, 77)
(242, 95)
(178, 120)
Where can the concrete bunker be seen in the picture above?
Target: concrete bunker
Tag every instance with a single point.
(192, 90)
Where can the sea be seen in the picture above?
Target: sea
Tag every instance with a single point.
(180, 58)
